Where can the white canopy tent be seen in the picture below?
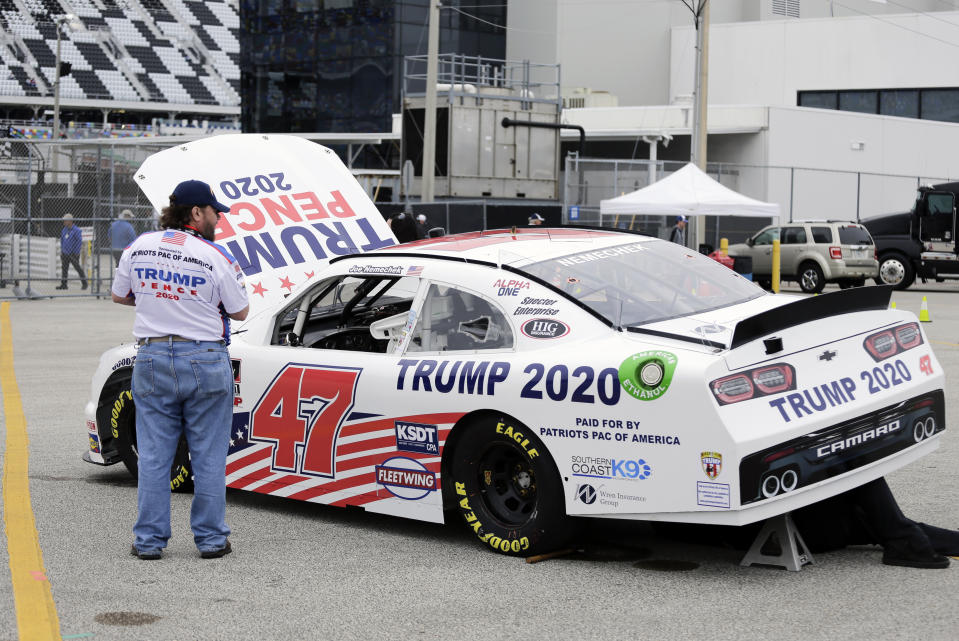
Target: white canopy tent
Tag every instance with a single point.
(691, 192)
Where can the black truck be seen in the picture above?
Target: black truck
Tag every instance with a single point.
(919, 243)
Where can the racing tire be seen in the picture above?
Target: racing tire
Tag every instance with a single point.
(124, 425)
(508, 490)
(896, 270)
(811, 279)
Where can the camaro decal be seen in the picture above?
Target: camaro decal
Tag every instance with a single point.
(840, 448)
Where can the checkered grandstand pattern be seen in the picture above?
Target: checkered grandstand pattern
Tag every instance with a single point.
(167, 51)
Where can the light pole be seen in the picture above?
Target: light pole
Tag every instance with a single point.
(74, 24)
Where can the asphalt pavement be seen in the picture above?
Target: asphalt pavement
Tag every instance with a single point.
(303, 571)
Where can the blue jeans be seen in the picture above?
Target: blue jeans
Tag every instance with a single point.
(182, 388)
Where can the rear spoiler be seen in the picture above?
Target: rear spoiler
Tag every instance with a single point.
(844, 301)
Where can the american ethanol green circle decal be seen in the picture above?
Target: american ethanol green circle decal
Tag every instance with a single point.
(646, 376)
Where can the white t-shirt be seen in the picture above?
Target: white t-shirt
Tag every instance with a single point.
(183, 285)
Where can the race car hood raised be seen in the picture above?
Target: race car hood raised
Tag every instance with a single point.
(293, 205)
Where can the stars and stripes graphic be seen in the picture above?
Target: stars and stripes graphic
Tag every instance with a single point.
(415, 270)
(361, 446)
(173, 237)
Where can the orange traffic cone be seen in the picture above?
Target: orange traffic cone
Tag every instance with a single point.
(924, 311)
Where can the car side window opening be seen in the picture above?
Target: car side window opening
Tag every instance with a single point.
(338, 311)
(767, 236)
(822, 235)
(452, 319)
(793, 236)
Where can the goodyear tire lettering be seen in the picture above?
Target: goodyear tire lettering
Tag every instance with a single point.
(488, 498)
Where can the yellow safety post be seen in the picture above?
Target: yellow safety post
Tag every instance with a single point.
(775, 276)
(724, 246)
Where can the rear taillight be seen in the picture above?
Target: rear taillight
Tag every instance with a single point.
(890, 342)
(762, 381)
(835, 253)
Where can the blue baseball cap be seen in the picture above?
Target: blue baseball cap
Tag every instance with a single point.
(681, 219)
(196, 192)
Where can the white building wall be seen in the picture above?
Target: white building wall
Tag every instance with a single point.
(768, 62)
(644, 52)
(814, 155)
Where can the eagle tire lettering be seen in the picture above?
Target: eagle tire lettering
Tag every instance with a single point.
(507, 488)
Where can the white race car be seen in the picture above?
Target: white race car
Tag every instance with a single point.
(527, 377)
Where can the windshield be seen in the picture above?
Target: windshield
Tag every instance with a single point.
(644, 282)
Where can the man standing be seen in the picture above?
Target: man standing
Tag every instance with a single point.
(185, 289)
(121, 234)
(678, 233)
(535, 220)
(71, 242)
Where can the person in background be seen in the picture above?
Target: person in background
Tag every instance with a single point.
(71, 242)
(536, 219)
(678, 233)
(121, 234)
(403, 226)
(421, 227)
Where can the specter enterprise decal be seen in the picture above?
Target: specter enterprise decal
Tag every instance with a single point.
(646, 376)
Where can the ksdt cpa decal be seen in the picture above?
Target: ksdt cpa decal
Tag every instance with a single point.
(416, 437)
(646, 376)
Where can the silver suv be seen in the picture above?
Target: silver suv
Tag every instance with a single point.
(813, 253)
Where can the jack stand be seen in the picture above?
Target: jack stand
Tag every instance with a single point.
(780, 533)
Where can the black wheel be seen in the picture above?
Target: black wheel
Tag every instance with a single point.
(896, 270)
(811, 279)
(124, 425)
(508, 489)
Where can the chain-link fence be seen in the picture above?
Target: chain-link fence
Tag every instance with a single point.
(802, 193)
(41, 252)
(42, 255)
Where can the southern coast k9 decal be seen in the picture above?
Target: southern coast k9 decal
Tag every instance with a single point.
(301, 413)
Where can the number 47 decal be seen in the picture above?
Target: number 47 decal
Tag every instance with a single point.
(301, 414)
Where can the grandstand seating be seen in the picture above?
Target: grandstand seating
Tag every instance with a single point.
(182, 52)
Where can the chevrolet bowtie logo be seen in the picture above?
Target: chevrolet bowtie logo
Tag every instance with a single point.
(827, 355)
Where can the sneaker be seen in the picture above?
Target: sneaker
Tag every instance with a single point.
(913, 553)
(145, 555)
(219, 552)
(84, 285)
(60, 287)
